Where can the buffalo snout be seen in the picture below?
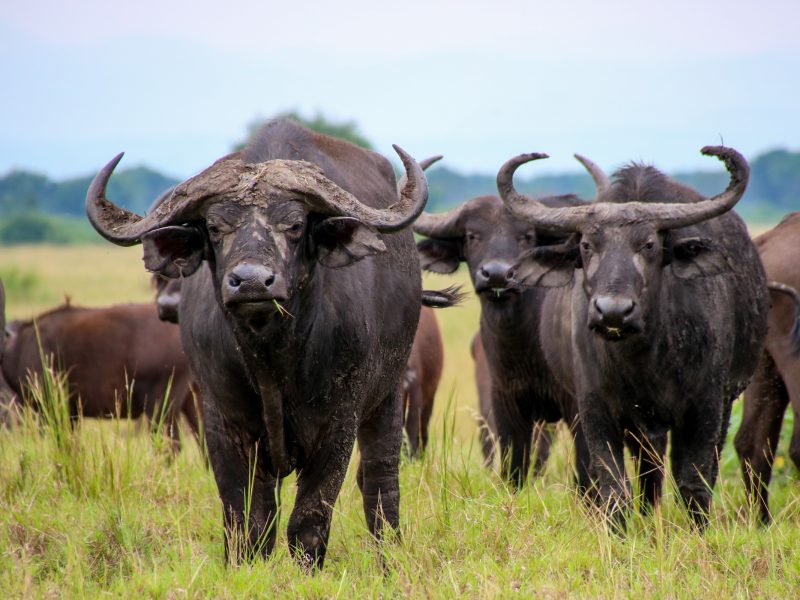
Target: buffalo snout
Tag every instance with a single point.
(614, 317)
(493, 278)
(252, 283)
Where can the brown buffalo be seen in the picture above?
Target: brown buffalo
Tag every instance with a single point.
(421, 379)
(776, 382)
(121, 360)
(7, 396)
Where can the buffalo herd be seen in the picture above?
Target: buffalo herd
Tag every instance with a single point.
(292, 271)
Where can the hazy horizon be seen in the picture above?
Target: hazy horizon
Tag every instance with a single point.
(176, 86)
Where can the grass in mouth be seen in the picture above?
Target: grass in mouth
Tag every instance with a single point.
(281, 310)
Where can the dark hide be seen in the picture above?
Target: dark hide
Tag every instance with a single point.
(102, 349)
(299, 328)
(524, 392)
(421, 380)
(8, 399)
(487, 429)
(776, 383)
(657, 331)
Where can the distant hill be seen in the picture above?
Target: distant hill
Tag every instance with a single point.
(774, 190)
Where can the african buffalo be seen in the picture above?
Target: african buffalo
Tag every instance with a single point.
(485, 235)
(298, 322)
(777, 379)
(119, 360)
(7, 396)
(655, 322)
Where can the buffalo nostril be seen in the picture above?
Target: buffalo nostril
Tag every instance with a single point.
(614, 307)
(234, 281)
(269, 280)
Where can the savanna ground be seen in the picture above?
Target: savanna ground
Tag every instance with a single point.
(104, 511)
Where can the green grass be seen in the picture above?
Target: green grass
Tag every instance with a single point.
(104, 509)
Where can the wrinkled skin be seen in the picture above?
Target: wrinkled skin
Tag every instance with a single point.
(298, 326)
(655, 331)
(524, 393)
(102, 350)
(421, 380)
(777, 380)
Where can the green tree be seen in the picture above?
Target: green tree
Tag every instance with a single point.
(345, 130)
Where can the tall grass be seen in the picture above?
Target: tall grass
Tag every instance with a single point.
(96, 508)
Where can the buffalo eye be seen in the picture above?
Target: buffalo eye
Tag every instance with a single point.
(213, 230)
(648, 246)
(472, 236)
(295, 230)
(586, 246)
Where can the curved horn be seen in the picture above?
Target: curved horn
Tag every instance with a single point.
(332, 199)
(117, 225)
(424, 164)
(551, 220)
(673, 216)
(442, 225)
(601, 181)
(663, 215)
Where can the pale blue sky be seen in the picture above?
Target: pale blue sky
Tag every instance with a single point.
(174, 84)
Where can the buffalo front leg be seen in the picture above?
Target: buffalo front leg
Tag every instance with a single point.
(695, 457)
(514, 429)
(583, 463)
(318, 484)
(379, 439)
(249, 493)
(765, 402)
(413, 415)
(605, 440)
(648, 452)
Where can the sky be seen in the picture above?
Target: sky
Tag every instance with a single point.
(174, 84)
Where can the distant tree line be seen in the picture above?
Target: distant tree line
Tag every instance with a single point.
(35, 208)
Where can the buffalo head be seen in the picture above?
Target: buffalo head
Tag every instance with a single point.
(624, 240)
(261, 226)
(489, 238)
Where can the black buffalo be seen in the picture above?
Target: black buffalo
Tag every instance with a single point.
(488, 237)
(298, 322)
(655, 323)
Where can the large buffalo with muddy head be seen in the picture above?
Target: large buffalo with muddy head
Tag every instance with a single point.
(524, 395)
(656, 321)
(297, 323)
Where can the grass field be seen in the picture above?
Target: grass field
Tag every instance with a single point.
(104, 511)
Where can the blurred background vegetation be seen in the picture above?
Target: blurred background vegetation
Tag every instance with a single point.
(37, 209)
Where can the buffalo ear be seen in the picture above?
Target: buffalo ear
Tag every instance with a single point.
(174, 251)
(439, 256)
(696, 257)
(341, 241)
(547, 266)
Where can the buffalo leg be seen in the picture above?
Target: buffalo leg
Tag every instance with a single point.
(695, 458)
(514, 429)
(542, 438)
(413, 412)
(648, 452)
(765, 403)
(249, 493)
(606, 448)
(378, 472)
(318, 484)
(583, 461)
